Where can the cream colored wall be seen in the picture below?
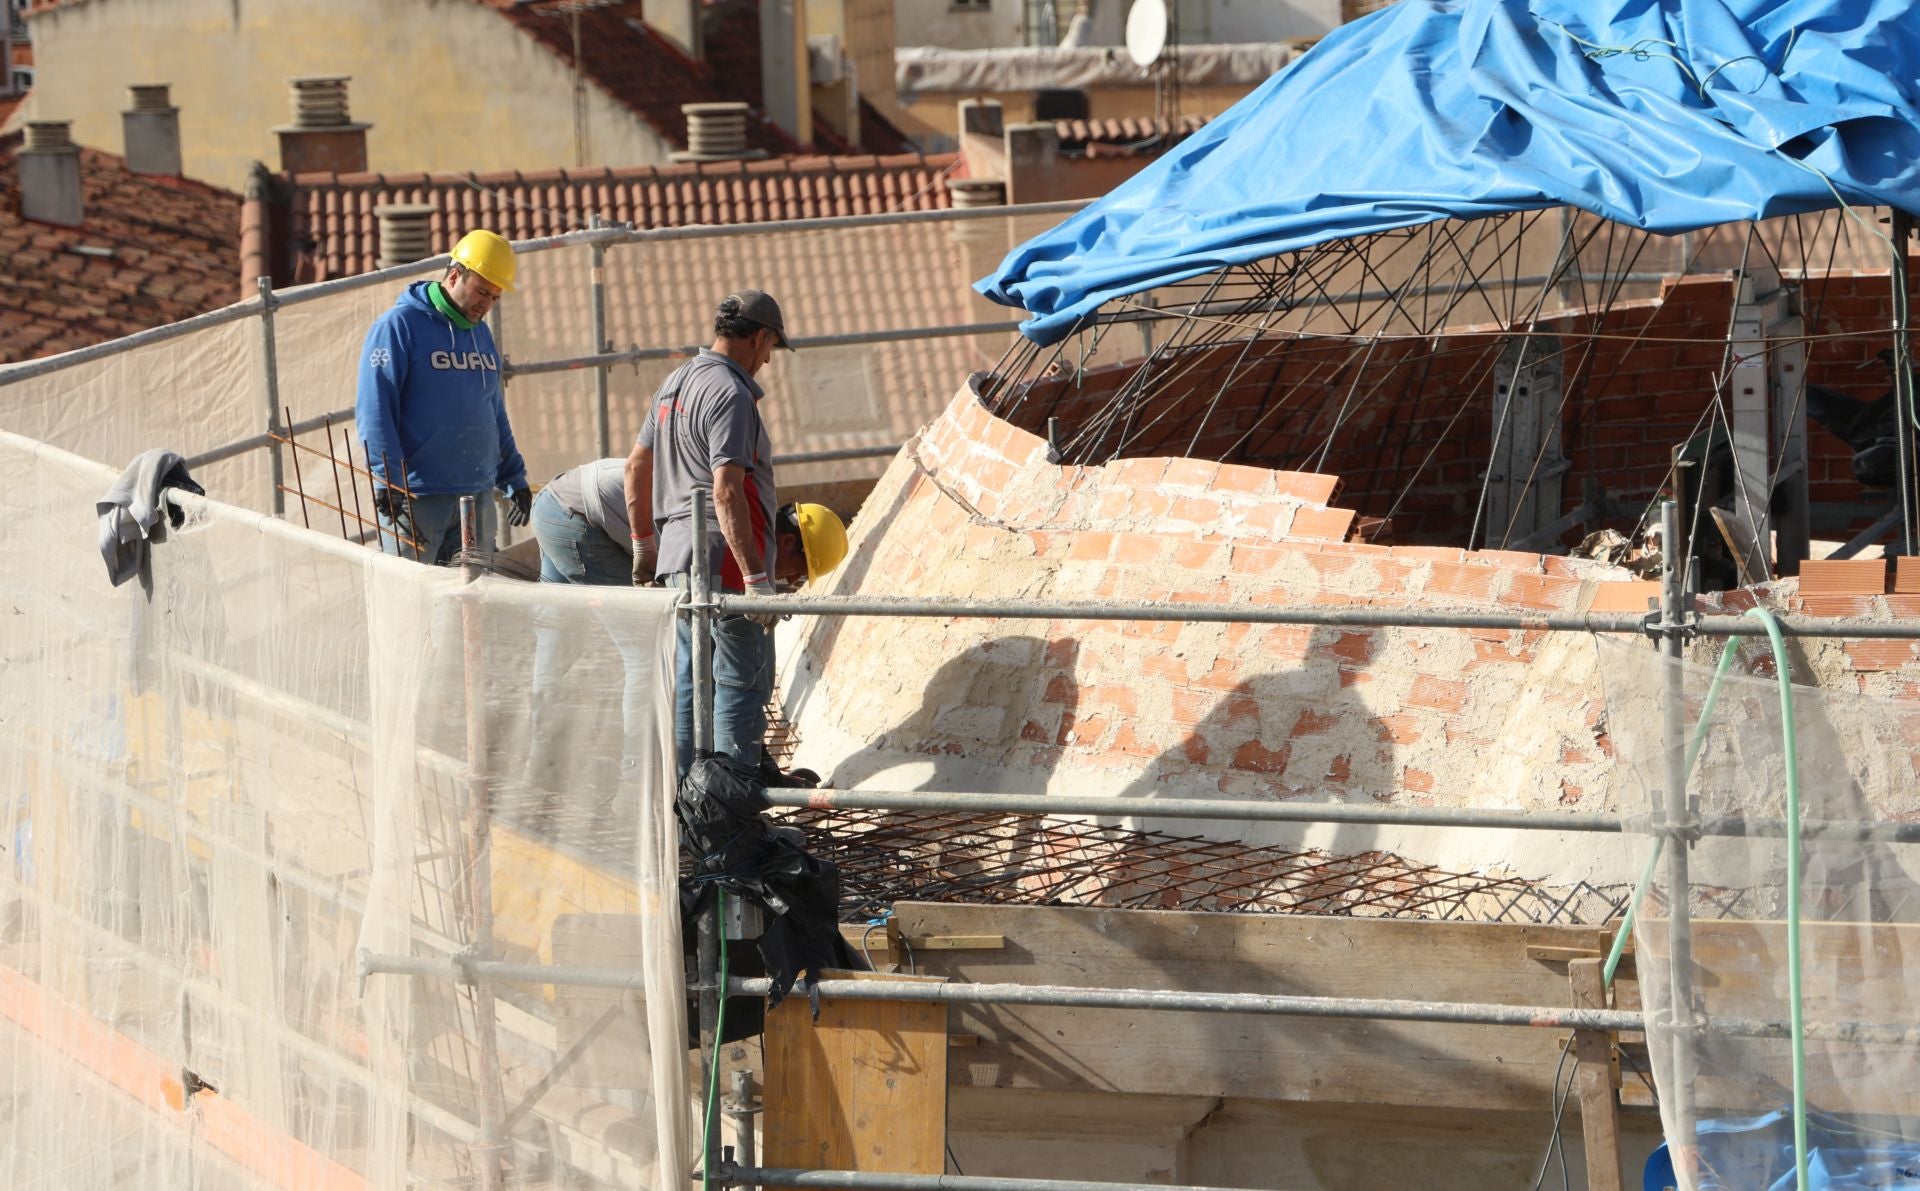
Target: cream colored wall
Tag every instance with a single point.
(937, 22)
(446, 84)
(936, 110)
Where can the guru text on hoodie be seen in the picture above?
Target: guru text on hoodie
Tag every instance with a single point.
(430, 394)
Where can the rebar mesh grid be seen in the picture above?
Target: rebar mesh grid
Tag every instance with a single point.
(943, 856)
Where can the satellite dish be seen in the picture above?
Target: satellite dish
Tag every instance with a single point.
(1146, 31)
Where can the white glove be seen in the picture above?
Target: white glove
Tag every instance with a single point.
(760, 585)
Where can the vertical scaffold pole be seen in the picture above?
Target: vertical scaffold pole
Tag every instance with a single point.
(707, 930)
(478, 880)
(1903, 401)
(270, 364)
(1674, 828)
(602, 428)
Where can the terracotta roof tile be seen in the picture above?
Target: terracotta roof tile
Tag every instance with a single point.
(1125, 134)
(175, 253)
(335, 214)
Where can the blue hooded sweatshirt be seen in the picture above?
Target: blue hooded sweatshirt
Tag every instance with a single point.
(430, 394)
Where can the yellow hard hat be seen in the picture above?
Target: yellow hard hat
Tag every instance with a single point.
(823, 536)
(488, 254)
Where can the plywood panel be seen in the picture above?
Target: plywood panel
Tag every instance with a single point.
(1269, 1058)
(862, 1088)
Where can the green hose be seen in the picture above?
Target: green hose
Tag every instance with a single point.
(719, 1031)
(1660, 842)
(1789, 744)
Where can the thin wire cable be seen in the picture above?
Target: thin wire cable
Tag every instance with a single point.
(1559, 1108)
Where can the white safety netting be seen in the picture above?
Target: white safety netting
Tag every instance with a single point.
(219, 795)
(1718, 1034)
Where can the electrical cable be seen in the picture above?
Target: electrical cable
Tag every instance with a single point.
(1559, 1107)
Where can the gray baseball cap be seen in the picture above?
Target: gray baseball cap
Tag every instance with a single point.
(758, 306)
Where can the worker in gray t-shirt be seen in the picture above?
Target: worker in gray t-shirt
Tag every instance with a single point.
(705, 434)
(580, 521)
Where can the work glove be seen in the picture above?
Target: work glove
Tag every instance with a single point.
(772, 777)
(646, 554)
(519, 505)
(391, 505)
(760, 585)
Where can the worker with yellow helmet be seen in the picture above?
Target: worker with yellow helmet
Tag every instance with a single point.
(432, 412)
(580, 521)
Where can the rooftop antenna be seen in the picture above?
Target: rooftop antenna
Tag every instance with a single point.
(1153, 35)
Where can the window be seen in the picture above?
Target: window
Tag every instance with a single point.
(22, 79)
(955, 5)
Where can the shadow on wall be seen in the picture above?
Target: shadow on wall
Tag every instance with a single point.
(851, 578)
(1009, 713)
(1023, 699)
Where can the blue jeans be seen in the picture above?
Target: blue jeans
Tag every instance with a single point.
(436, 526)
(742, 684)
(572, 551)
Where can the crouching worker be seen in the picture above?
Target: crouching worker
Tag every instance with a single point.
(580, 521)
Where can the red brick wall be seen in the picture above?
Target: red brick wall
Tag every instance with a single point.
(1428, 717)
(1637, 381)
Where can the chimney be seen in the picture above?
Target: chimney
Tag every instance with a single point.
(151, 130)
(1033, 165)
(50, 174)
(679, 22)
(322, 139)
(406, 233)
(983, 138)
(968, 193)
(717, 132)
(785, 89)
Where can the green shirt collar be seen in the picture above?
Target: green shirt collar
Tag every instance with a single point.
(444, 305)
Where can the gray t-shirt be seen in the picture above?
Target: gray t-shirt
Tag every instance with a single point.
(598, 492)
(704, 416)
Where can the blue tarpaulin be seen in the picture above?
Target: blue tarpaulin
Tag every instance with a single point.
(1667, 115)
(1756, 1154)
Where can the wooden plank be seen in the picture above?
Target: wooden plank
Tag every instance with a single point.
(863, 1088)
(1300, 1059)
(1596, 1078)
(957, 942)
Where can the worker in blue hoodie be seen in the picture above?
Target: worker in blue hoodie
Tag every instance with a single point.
(431, 408)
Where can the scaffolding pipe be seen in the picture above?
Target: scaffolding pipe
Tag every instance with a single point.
(742, 1108)
(28, 370)
(1576, 622)
(602, 431)
(1366, 814)
(860, 1180)
(1470, 1013)
(270, 364)
(476, 882)
(607, 357)
(1677, 811)
(700, 615)
(1901, 231)
(837, 454)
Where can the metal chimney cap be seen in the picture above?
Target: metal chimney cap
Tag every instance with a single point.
(151, 97)
(49, 135)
